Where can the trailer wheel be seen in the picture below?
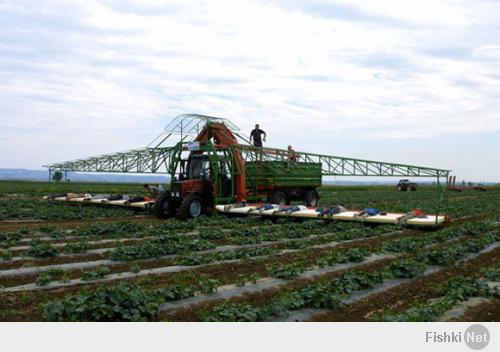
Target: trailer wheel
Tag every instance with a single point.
(280, 198)
(191, 207)
(311, 198)
(164, 206)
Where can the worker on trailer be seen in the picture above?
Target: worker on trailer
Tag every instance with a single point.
(291, 155)
(256, 136)
(155, 191)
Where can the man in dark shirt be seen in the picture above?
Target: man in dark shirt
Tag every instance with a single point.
(256, 135)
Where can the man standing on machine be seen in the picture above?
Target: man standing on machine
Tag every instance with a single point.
(256, 135)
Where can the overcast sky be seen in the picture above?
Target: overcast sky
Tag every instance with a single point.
(406, 81)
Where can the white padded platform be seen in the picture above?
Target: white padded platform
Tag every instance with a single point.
(142, 204)
(122, 203)
(116, 202)
(97, 201)
(390, 218)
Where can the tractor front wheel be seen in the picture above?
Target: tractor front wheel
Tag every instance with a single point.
(164, 206)
(191, 207)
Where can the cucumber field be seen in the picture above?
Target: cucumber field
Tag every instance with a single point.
(82, 262)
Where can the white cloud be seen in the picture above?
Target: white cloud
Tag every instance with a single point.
(110, 73)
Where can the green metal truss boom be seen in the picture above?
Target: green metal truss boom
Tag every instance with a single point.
(157, 157)
(344, 166)
(157, 160)
(146, 160)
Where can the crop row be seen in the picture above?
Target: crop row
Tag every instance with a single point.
(386, 199)
(240, 253)
(425, 198)
(277, 267)
(164, 237)
(331, 293)
(39, 209)
(411, 267)
(327, 294)
(160, 247)
(454, 291)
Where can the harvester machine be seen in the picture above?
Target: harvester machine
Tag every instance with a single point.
(210, 169)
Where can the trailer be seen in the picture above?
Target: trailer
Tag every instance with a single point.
(282, 182)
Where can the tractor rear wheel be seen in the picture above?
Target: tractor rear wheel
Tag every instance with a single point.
(191, 207)
(164, 206)
(280, 198)
(311, 198)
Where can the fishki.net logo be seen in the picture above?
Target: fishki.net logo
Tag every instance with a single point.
(475, 337)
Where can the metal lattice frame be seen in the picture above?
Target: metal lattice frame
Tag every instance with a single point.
(342, 166)
(157, 160)
(188, 125)
(147, 160)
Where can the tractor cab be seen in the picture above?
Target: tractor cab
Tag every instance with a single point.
(197, 167)
(199, 178)
(191, 190)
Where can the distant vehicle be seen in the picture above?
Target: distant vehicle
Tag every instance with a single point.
(405, 185)
(452, 187)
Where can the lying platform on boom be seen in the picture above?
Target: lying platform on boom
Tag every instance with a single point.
(349, 215)
(253, 209)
